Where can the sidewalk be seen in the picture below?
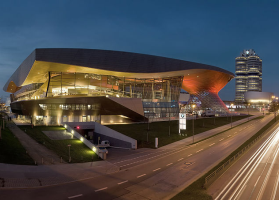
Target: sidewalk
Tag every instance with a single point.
(20, 176)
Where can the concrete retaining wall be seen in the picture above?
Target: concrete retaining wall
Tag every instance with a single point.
(115, 136)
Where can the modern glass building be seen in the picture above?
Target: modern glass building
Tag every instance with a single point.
(248, 70)
(64, 85)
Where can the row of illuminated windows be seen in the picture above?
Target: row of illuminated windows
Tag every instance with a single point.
(69, 106)
(160, 104)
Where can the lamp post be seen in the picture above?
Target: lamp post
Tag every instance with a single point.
(193, 123)
(263, 109)
(69, 153)
(270, 103)
(231, 114)
(248, 110)
(169, 123)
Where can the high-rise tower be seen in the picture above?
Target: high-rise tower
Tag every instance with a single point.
(248, 70)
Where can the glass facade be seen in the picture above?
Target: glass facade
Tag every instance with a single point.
(159, 95)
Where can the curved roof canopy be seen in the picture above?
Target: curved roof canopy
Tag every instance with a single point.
(36, 66)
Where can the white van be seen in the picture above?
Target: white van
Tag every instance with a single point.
(105, 143)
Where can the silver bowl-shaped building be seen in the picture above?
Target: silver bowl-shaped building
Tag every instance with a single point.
(63, 85)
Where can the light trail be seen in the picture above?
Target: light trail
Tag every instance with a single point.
(249, 166)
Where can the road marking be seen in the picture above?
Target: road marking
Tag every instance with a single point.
(235, 132)
(122, 182)
(141, 175)
(257, 181)
(79, 195)
(221, 139)
(211, 144)
(199, 150)
(180, 159)
(165, 154)
(101, 189)
(190, 155)
(156, 169)
(169, 164)
(229, 135)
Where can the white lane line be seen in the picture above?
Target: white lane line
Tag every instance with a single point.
(79, 195)
(180, 159)
(211, 144)
(157, 156)
(122, 182)
(169, 164)
(156, 169)
(101, 189)
(221, 139)
(199, 150)
(141, 175)
(229, 135)
(235, 132)
(190, 155)
(257, 181)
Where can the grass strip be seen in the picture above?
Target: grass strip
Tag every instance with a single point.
(196, 191)
(79, 152)
(167, 131)
(11, 150)
(260, 117)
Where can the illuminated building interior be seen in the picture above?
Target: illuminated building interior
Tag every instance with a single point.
(57, 85)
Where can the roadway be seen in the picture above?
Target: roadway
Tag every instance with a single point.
(255, 175)
(154, 176)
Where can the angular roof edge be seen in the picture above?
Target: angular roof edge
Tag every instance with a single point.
(117, 61)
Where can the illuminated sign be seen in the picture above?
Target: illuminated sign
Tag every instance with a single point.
(182, 121)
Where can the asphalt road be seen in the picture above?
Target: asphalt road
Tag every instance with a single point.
(256, 176)
(158, 175)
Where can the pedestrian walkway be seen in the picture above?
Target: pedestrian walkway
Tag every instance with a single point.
(39, 153)
(20, 122)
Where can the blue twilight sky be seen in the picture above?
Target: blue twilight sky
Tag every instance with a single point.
(210, 32)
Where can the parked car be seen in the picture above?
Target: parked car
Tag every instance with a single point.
(105, 143)
(208, 113)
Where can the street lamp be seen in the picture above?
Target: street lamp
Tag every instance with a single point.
(270, 103)
(231, 114)
(169, 122)
(263, 109)
(69, 153)
(248, 110)
(193, 122)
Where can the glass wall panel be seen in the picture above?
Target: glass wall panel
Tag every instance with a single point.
(159, 95)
